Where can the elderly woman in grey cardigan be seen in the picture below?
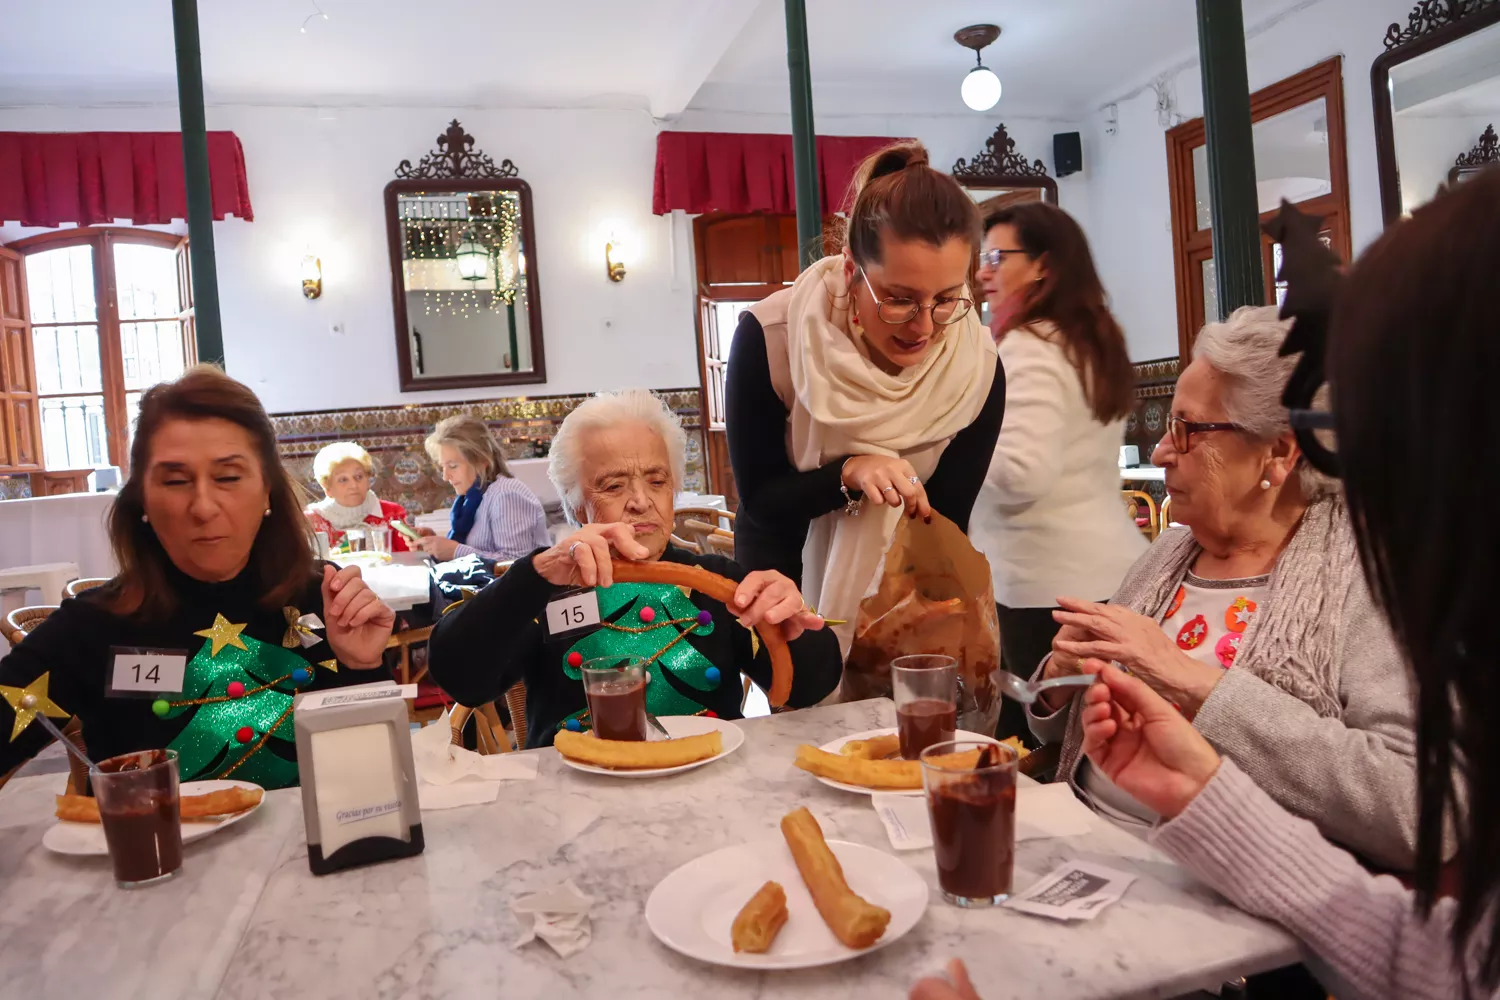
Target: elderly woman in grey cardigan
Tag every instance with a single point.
(1254, 619)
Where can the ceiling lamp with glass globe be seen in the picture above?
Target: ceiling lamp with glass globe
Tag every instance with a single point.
(981, 88)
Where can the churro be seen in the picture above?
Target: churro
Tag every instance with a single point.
(224, 802)
(722, 590)
(632, 755)
(896, 775)
(756, 925)
(874, 748)
(855, 922)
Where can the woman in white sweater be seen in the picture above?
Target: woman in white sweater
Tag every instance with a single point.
(1049, 516)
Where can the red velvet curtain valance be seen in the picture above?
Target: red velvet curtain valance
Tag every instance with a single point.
(749, 172)
(48, 178)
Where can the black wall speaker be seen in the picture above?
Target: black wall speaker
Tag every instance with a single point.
(1067, 153)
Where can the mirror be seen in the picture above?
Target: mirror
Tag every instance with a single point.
(1437, 101)
(463, 270)
(999, 177)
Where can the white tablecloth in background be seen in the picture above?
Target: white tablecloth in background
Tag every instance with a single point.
(69, 528)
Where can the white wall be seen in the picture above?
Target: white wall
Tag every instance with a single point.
(1129, 201)
(317, 183)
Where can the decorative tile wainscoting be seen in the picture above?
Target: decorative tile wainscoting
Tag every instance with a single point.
(394, 436)
(1155, 381)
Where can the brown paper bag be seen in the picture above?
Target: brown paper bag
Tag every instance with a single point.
(935, 596)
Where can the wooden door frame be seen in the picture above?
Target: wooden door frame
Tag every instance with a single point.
(1325, 80)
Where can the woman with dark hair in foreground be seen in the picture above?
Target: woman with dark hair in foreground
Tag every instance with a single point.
(217, 577)
(1413, 361)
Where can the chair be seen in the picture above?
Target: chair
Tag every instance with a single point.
(697, 525)
(489, 734)
(515, 701)
(1149, 525)
(88, 583)
(23, 620)
(1164, 518)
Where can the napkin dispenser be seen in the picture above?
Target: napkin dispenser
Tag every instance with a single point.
(359, 784)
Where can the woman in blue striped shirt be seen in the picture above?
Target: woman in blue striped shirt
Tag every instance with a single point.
(495, 515)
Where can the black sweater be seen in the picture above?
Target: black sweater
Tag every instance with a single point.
(777, 502)
(73, 646)
(483, 646)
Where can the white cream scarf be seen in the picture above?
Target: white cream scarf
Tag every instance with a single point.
(841, 403)
(343, 518)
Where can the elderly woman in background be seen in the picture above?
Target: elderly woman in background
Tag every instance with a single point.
(495, 515)
(1254, 619)
(215, 557)
(617, 462)
(345, 471)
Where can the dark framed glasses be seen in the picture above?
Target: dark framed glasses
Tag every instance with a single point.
(994, 258)
(1181, 431)
(897, 310)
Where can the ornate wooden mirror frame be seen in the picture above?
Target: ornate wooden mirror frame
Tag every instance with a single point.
(1000, 167)
(456, 167)
(1430, 25)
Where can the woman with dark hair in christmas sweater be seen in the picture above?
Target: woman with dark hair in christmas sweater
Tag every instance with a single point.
(218, 616)
(616, 462)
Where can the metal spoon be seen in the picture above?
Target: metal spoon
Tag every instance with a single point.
(1026, 691)
(29, 701)
(656, 724)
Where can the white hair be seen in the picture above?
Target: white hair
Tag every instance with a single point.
(1245, 350)
(610, 409)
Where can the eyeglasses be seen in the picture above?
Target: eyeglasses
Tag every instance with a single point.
(994, 258)
(896, 310)
(1182, 431)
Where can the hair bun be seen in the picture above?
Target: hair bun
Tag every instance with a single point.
(894, 159)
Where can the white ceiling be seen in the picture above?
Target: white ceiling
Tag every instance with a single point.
(1059, 59)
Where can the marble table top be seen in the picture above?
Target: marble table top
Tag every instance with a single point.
(246, 919)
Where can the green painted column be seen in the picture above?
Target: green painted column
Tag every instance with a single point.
(804, 138)
(1231, 155)
(200, 215)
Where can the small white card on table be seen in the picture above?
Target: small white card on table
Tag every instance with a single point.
(1078, 890)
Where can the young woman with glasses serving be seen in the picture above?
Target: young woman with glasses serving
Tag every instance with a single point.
(1049, 517)
(867, 391)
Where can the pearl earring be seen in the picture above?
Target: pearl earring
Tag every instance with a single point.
(268, 510)
(1265, 484)
(145, 519)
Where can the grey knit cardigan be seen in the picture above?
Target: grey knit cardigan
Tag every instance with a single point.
(1318, 707)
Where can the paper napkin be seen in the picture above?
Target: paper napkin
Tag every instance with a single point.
(450, 776)
(558, 916)
(1041, 811)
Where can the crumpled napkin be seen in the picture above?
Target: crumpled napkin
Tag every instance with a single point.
(560, 917)
(449, 776)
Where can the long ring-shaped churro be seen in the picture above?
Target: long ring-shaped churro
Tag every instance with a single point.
(720, 589)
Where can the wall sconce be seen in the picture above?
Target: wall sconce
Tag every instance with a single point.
(312, 277)
(615, 254)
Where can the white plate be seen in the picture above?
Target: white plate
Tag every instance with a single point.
(692, 909)
(838, 744)
(676, 726)
(88, 838)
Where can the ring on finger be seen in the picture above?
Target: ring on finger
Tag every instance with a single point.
(914, 480)
(573, 551)
(889, 489)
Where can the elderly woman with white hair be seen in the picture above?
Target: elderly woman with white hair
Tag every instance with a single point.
(1254, 618)
(617, 462)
